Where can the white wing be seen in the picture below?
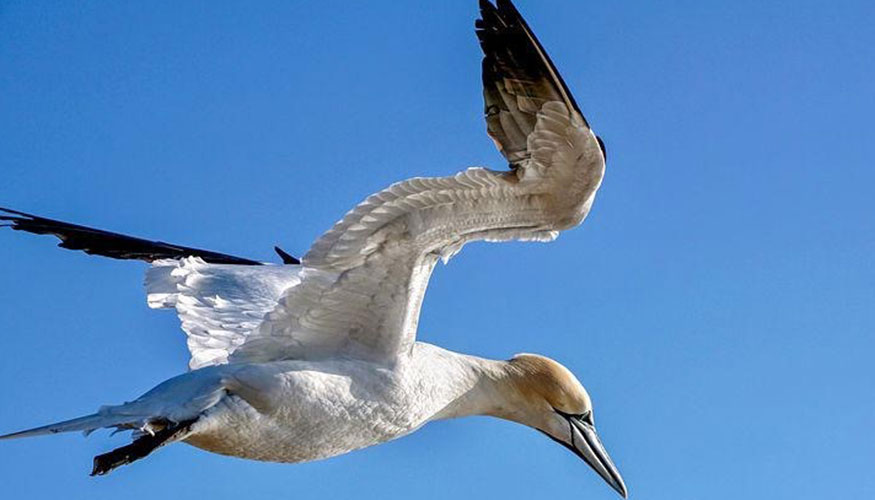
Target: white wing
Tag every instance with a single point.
(218, 304)
(362, 282)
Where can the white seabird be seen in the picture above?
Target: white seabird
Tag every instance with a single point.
(318, 357)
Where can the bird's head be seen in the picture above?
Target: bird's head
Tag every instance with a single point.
(545, 395)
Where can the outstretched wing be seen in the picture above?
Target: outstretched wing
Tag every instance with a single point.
(219, 298)
(363, 281)
(117, 246)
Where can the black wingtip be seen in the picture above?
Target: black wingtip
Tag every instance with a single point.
(16, 212)
(287, 258)
(500, 24)
(14, 217)
(507, 5)
(108, 244)
(603, 148)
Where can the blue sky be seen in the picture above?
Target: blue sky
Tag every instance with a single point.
(717, 303)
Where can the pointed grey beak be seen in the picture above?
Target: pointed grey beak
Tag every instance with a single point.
(587, 445)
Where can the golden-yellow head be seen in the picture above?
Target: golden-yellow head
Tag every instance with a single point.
(543, 394)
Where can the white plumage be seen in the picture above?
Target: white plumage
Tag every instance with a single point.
(299, 362)
(218, 304)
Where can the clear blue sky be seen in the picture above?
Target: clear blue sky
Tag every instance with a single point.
(718, 302)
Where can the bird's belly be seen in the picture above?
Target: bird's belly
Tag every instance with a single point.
(288, 434)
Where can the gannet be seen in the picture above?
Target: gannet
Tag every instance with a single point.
(317, 357)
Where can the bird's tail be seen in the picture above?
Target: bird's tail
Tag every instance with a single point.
(161, 416)
(104, 418)
(150, 434)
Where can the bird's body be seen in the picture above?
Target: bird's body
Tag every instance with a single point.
(319, 357)
(296, 411)
(317, 410)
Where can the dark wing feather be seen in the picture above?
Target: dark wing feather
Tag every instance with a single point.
(287, 259)
(518, 78)
(114, 245)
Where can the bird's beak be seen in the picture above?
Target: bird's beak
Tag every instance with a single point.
(586, 444)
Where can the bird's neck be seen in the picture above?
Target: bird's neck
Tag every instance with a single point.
(469, 385)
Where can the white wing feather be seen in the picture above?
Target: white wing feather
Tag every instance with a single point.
(218, 304)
